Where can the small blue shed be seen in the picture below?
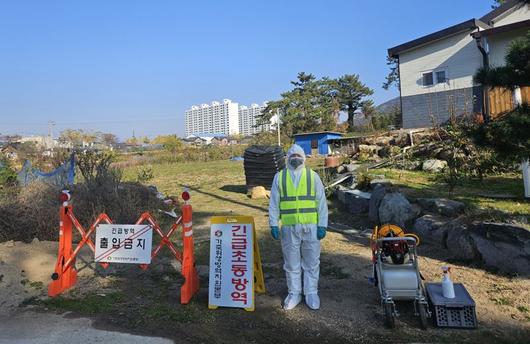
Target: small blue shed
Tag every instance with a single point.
(316, 143)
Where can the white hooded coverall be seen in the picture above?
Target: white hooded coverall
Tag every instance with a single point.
(300, 246)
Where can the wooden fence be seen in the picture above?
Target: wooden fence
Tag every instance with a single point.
(525, 93)
(501, 100)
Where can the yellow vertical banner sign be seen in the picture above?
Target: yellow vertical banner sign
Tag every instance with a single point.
(236, 273)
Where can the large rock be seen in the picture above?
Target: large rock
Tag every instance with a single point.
(407, 164)
(383, 181)
(384, 141)
(428, 227)
(417, 210)
(378, 192)
(396, 209)
(371, 150)
(357, 202)
(341, 193)
(503, 246)
(459, 242)
(384, 152)
(442, 206)
(352, 167)
(434, 165)
(445, 154)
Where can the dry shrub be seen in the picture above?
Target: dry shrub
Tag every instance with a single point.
(122, 202)
(34, 211)
(103, 191)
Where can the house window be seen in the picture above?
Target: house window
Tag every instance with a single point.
(314, 144)
(427, 79)
(440, 77)
(434, 77)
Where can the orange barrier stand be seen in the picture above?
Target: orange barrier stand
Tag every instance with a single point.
(191, 283)
(65, 274)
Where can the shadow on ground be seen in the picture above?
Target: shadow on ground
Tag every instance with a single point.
(226, 199)
(242, 189)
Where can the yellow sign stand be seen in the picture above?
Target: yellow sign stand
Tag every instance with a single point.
(259, 281)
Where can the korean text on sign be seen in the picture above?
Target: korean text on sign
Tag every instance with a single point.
(123, 243)
(239, 263)
(231, 259)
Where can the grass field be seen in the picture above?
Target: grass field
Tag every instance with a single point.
(217, 186)
(147, 302)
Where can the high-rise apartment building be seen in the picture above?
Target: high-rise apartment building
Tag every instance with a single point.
(216, 117)
(248, 117)
(226, 118)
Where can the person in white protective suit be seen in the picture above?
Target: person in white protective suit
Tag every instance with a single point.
(298, 202)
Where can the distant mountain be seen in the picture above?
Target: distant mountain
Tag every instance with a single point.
(382, 109)
(388, 105)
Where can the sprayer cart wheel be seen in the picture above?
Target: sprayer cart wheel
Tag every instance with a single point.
(423, 313)
(389, 315)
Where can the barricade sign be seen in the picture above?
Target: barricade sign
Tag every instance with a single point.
(123, 243)
(235, 263)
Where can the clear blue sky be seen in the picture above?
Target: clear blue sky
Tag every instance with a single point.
(116, 66)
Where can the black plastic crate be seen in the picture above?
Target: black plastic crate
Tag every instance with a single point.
(458, 312)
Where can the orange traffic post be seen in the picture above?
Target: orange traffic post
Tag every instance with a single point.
(63, 279)
(189, 272)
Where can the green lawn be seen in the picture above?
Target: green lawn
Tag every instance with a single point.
(217, 186)
(225, 180)
(478, 195)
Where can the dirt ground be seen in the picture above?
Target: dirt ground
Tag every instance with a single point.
(125, 298)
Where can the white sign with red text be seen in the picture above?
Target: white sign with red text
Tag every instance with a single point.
(123, 243)
(231, 264)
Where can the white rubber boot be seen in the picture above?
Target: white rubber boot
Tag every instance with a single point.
(312, 301)
(291, 301)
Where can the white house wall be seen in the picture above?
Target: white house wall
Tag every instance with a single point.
(457, 54)
(425, 106)
(520, 14)
(459, 57)
(499, 44)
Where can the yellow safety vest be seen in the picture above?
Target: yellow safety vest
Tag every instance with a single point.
(298, 205)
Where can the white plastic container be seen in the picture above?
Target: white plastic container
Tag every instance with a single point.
(448, 290)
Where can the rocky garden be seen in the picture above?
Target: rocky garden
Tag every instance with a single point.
(440, 185)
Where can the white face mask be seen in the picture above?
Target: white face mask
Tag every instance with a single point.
(295, 162)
